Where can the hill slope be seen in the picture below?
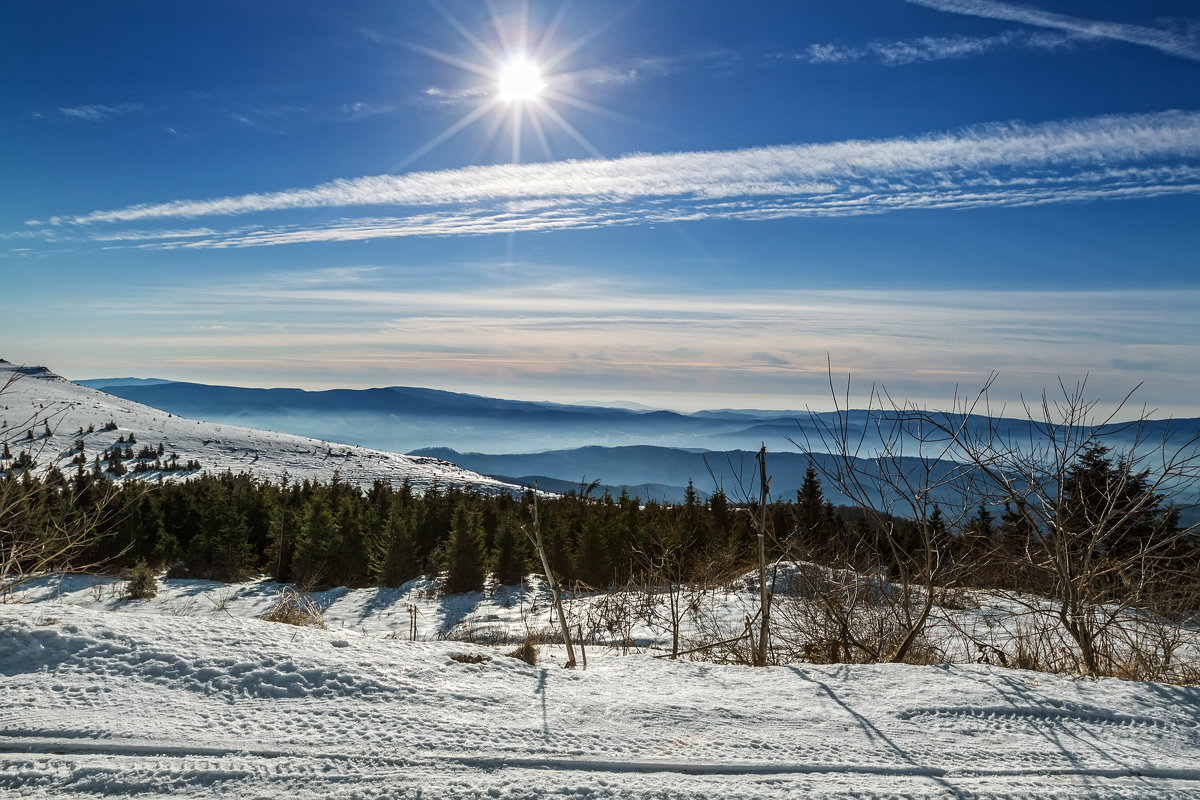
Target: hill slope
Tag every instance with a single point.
(36, 400)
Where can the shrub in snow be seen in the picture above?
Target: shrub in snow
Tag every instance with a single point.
(142, 584)
(527, 652)
(292, 608)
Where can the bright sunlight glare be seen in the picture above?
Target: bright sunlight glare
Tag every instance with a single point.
(520, 79)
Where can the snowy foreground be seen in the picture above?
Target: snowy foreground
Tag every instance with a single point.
(188, 695)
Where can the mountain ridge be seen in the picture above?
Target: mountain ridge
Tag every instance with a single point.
(62, 424)
(404, 419)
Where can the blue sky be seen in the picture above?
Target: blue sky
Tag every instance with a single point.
(705, 203)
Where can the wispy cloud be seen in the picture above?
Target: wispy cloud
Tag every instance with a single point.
(563, 328)
(649, 67)
(575, 83)
(1184, 44)
(930, 48)
(996, 165)
(440, 96)
(99, 113)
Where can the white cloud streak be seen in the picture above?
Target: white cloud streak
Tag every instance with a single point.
(1161, 39)
(996, 165)
(99, 113)
(930, 48)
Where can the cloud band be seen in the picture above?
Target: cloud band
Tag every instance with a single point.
(1002, 164)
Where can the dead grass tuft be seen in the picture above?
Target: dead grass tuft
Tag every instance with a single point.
(527, 652)
(293, 608)
(464, 658)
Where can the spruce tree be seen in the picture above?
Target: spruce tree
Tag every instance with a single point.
(465, 558)
(394, 559)
(593, 564)
(810, 508)
(510, 552)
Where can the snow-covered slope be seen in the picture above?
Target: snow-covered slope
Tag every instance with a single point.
(36, 400)
(97, 703)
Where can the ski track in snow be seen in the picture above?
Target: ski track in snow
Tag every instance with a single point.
(98, 703)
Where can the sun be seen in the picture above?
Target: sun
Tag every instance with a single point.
(519, 79)
(524, 83)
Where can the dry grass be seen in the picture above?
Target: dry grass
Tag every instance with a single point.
(293, 608)
(527, 652)
(469, 658)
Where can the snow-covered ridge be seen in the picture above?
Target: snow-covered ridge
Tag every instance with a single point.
(48, 417)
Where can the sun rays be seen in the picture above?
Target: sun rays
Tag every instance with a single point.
(520, 83)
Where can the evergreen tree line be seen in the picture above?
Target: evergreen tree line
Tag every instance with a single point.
(229, 527)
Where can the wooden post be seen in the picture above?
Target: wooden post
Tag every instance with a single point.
(764, 632)
(536, 538)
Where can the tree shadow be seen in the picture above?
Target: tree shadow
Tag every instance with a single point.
(874, 734)
(454, 608)
(1020, 699)
(381, 599)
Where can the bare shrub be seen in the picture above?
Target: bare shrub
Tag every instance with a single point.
(836, 616)
(610, 619)
(1097, 515)
(293, 608)
(892, 473)
(181, 608)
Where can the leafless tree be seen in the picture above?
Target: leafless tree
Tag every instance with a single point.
(1108, 506)
(900, 476)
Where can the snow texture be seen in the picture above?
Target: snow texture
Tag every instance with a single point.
(188, 694)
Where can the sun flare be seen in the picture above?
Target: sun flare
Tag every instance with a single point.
(520, 79)
(524, 90)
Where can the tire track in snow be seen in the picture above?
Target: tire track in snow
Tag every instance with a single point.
(1037, 715)
(50, 743)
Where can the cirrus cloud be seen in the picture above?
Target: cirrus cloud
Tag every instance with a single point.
(1008, 164)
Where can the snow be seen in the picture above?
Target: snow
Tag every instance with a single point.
(190, 694)
(38, 399)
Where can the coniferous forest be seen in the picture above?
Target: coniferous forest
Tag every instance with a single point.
(230, 527)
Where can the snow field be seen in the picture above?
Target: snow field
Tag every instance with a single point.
(110, 698)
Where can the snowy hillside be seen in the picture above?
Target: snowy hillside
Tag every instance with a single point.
(203, 704)
(38, 402)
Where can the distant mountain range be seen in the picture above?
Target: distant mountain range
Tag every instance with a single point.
(403, 419)
(653, 473)
(651, 454)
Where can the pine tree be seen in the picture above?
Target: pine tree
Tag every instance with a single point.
(981, 524)
(510, 552)
(593, 562)
(1108, 508)
(465, 558)
(313, 542)
(395, 558)
(810, 516)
